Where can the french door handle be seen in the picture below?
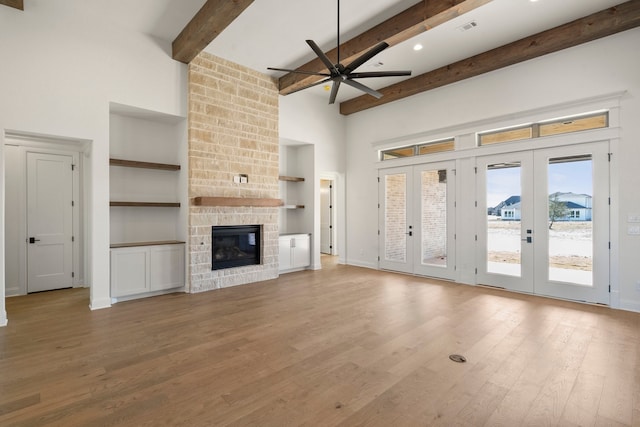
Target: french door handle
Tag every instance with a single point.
(33, 240)
(409, 233)
(529, 239)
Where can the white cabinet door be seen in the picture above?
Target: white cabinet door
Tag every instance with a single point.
(167, 267)
(129, 271)
(301, 252)
(285, 252)
(295, 252)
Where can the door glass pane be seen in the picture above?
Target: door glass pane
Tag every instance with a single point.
(434, 217)
(570, 219)
(503, 218)
(395, 217)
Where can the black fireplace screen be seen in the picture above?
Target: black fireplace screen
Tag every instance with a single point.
(235, 246)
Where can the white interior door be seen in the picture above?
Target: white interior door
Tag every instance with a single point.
(544, 222)
(49, 222)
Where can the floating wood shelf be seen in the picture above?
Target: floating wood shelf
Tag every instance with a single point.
(136, 244)
(293, 206)
(237, 201)
(146, 204)
(144, 165)
(290, 178)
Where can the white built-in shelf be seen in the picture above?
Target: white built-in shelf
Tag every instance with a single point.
(144, 165)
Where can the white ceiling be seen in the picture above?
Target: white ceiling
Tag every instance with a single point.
(272, 33)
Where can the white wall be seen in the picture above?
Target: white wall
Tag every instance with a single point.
(58, 77)
(601, 67)
(306, 118)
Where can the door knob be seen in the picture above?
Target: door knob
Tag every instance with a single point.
(33, 240)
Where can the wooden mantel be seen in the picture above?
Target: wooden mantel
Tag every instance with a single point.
(237, 201)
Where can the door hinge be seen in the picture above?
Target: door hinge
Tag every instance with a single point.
(609, 201)
(330, 227)
(378, 232)
(378, 179)
(455, 172)
(330, 247)
(609, 288)
(609, 245)
(609, 156)
(476, 203)
(73, 203)
(455, 204)
(476, 237)
(476, 270)
(330, 187)
(73, 274)
(378, 205)
(378, 257)
(475, 169)
(73, 167)
(455, 236)
(330, 206)
(73, 238)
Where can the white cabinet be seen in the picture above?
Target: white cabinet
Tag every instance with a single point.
(138, 271)
(295, 252)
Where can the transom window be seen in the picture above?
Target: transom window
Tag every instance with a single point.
(421, 149)
(545, 128)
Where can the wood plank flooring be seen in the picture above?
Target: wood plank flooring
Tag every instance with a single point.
(344, 346)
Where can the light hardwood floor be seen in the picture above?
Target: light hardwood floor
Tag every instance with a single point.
(341, 346)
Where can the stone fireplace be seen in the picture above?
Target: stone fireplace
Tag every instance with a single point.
(233, 134)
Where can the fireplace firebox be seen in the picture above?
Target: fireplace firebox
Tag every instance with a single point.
(235, 246)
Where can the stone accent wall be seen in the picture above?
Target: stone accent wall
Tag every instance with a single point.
(233, 130)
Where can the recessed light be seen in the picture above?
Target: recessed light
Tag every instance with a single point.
(417, 46)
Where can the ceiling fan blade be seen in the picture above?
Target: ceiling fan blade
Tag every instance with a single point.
(379, 74)
(311, 85)
(311, 73)
(322, 56)
(334, 90)
(363, 88)
(366, 56)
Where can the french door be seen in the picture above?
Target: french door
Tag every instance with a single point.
(543, 221)
(417, 217)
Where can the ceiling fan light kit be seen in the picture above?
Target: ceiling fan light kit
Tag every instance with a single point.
(338, 73)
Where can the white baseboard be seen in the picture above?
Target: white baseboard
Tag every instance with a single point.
(629, 305)
(100, 303)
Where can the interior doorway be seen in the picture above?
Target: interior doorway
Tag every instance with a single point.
(326, 217)
(44, 226)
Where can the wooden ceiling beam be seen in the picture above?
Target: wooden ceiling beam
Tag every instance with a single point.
(403, 26)
(610, 21)
(205, 26)
(18, 4)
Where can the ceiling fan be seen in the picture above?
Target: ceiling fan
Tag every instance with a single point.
(339, 73)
